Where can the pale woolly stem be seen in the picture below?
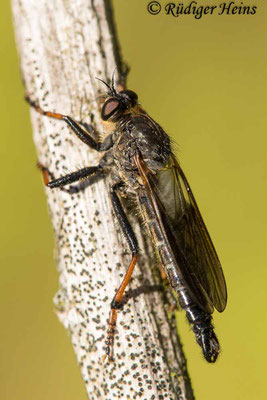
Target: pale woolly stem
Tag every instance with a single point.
(63, 46)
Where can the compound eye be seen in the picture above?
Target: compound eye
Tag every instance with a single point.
(109, 108)
(129, 95)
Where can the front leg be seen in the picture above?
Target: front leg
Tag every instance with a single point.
(83, 134)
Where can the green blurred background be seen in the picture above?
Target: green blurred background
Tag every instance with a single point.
(204, 81)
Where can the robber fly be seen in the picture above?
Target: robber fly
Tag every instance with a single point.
(138, 160)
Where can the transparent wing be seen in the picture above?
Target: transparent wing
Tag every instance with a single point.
(188, 237)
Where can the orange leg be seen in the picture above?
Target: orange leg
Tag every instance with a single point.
(115, 305)
(83, 135)
(133, 244)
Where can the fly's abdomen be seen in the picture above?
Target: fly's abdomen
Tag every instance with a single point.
(197, 318)
(159, 241)
(202, 328)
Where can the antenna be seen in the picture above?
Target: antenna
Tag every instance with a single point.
(111, 89)
(105, 83)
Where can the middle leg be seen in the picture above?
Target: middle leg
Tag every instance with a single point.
(66, 179)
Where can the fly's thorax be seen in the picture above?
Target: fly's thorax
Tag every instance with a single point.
(124, 168)
(138, 133)
(152, 142)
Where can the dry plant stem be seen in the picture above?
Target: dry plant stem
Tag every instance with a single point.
(64, 45)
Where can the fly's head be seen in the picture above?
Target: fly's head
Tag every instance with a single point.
(117, 103)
